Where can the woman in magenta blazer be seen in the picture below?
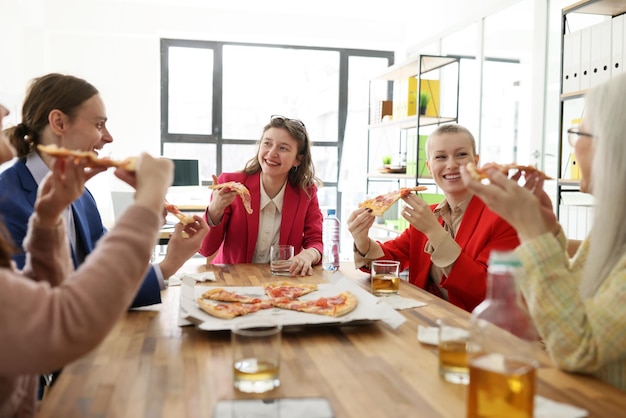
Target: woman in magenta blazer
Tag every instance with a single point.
(285, 210)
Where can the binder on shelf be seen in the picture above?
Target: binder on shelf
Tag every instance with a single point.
(574, 168)
(412, 98)
(601, 52)
(585, 58)
(571, 62)
(431, 87)
(617, 45)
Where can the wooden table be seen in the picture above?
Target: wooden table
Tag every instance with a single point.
(150, 367)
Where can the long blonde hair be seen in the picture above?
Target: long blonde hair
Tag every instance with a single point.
(604, 114)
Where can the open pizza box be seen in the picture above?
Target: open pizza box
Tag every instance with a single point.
(370, 308)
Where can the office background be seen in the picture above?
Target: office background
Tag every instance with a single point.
(115, 44)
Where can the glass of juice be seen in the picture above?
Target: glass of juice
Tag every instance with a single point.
(385, 275)
(256, 355)
(500, 386)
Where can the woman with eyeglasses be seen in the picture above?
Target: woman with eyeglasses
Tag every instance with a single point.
(578, 304)
(283, 186)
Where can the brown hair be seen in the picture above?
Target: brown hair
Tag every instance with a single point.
(7, 249)
(304, 175)
(45, 94)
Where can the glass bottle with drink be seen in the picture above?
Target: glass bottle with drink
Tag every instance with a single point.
(503, 346)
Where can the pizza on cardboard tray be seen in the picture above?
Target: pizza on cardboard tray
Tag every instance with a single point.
(282, 294)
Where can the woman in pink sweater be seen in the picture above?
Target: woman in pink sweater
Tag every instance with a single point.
(61, 314)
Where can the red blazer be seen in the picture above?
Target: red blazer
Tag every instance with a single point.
(481, 231)
(236, 236)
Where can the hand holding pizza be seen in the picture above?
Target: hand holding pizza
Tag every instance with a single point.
(359, 223)
(153, 176)
(64, 184)
(184, 242)
(522, 207)
(420, 216)
(221, 199)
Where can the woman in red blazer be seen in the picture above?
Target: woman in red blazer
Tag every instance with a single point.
(285, 210)
(446, 248)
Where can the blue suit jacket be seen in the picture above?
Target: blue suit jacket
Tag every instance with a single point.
(18, 192)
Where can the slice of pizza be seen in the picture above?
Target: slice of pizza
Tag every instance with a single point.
(287, 289)
(481, 173)
(223, 295)
(173, 209)
(338, 305)
(235, 186)
(91, 158)
(380, 204)
(231, 310)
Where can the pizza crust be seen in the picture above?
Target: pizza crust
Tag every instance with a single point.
(218, 310)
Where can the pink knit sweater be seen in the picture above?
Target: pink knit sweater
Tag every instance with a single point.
(60, 314)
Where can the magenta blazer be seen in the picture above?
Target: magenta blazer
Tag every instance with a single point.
(236, 236)
(480, 232)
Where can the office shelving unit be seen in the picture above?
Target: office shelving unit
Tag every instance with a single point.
(589, 55)
(402, 136)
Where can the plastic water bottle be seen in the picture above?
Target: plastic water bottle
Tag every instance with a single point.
(330, 235)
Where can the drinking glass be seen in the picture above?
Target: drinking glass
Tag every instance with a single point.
(385, 276)
(453, 350)
(280, 259)
(256, 355)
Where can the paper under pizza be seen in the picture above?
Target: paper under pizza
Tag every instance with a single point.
(92, 159)
(481, 173)
(241, 190)
(380, 204)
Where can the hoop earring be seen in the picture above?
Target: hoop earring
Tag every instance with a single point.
(294, 168)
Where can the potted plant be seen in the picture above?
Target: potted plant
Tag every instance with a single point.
(424, 99)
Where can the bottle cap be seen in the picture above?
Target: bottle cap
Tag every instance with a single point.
(331, 212)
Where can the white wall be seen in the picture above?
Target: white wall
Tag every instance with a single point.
(114, 44)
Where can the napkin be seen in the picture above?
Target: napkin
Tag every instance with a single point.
(399, 302)
(428, 335)
(204, 276)
(547, 408)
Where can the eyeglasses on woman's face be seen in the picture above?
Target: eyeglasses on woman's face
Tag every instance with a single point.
(573, 135)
